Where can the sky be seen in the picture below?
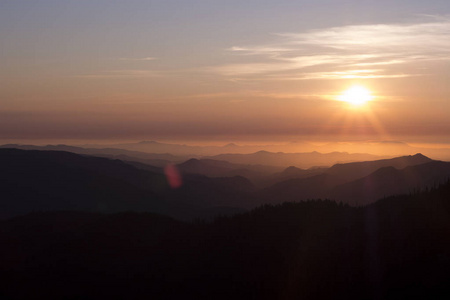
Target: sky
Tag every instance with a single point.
(224, 70)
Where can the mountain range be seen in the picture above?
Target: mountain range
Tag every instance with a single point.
(155, 159)
(300, 160)
(361, 183)
(161, 159)
(206, 150)
(381, 148)
(54, 180)
(77, 226)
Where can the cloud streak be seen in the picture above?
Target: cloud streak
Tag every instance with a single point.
(148, 58)
(344, 52)
(123, 74)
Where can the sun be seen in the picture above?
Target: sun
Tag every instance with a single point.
(356, 95)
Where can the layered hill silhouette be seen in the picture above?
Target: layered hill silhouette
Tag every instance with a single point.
(358, 183)
(294, 172)
(397, 248)
(54, 180)
(84, 227)
(390, 181)
(352, 171)
(220, 168)
(300, 160)
(189, 150)
(262, 159)
(383, 148)
(154, 159)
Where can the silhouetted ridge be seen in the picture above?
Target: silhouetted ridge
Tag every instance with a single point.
(391, 181)
(157, 159)
(352, 171)
(291, 169)
(301, 160)
(190, 162)
(358, 183)
(220, 168)
(53, 180)
(231, 145)
(385, 171)
(40, 180)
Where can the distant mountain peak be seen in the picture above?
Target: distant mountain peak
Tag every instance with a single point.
(385, 171)
(291, 168)
(192, 161)
(419, 158)
(231, 145)
(262, 152)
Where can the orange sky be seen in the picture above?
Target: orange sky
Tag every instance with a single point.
(219, 71)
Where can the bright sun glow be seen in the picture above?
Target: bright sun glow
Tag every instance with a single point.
(356, 95)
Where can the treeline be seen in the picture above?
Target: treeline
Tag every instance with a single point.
(396, 248)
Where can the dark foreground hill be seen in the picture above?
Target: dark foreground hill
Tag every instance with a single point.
(397, 248)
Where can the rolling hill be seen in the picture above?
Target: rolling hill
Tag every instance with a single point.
(300, 160)
(155, 159)
(389, 181)
(358, 183)
(54, 180)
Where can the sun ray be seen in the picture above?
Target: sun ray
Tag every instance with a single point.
(358, 118)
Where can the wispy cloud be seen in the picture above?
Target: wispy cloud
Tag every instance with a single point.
(250, 94)
(148, 58)
(264, 50)
(123, 74)
(351, 74)
(345, 52)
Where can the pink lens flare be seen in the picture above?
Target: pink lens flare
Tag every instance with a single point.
(173, 176)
